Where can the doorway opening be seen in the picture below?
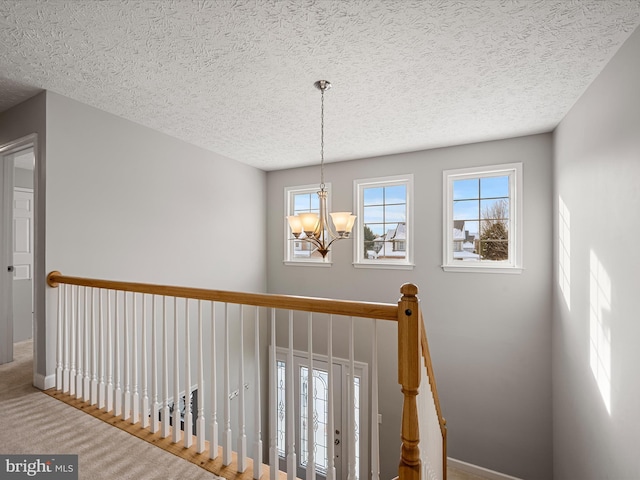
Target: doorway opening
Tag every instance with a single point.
(17, 232)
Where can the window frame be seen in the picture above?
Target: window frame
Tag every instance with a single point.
(514, 173)
(359, 258)
(289, 259)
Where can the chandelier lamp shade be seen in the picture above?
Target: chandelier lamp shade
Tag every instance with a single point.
(315, 228)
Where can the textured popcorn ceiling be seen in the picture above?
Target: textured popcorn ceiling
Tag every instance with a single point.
(237, 77)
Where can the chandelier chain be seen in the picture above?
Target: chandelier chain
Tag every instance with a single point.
(322, 139)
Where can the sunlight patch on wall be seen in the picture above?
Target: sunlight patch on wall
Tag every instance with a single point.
(564, 251)
(600, 328)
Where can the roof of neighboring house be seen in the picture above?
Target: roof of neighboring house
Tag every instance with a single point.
(398, 233)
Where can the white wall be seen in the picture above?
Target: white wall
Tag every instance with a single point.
(490, 334)
(597, 175)
(128, 203)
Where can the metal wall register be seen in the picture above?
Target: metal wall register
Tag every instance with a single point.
(50, 467)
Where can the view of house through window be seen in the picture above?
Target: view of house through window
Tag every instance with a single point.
(383, 213)
(483, 221)
(385, 222)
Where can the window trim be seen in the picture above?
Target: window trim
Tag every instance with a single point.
(359, 260)
(288, 209)
(514, 172)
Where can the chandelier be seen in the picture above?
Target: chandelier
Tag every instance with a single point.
(315, 228)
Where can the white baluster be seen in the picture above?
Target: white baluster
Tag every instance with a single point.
(117, 410)
(110, 321)
(188, 416)
(226, 436)
(351, 434)
(375, 434)
(290, 407)
(126, 412)
(94, 363)
(311, 441)
(213, 443)
(200, 421)
(65, 371)
(257, 449)
(165, 374)
(176, 434)
(331, 468)
(66, 328)
(155, 410)
(273, 402)
(79, 329)
(145, 393)
(72, 342)
(101, 384)
(242, 436)
(59, 338)
(87, 347)
(135, 397)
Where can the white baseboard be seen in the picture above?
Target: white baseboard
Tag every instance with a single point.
(476, 470)
(44, 383)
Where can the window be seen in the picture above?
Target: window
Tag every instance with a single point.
(383, 238)
(483, 219)
(303, 199)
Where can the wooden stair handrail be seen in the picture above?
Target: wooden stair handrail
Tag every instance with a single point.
(380, 311)
(426, 355)
(412, 348)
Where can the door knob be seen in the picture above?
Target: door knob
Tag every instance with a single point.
(10, 268)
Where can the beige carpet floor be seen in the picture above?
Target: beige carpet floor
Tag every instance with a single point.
(34, 423)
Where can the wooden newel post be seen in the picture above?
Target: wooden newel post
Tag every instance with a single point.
(409, 378)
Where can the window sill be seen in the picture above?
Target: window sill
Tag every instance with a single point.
(303, 263)
(481, 269)
(385, 266)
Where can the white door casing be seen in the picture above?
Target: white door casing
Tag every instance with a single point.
(6, 258)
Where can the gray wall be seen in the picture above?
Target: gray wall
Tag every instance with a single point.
(597, 170)
(24, 119)
(490, 334)
(129, 203)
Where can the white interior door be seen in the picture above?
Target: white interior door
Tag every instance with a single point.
(22, 234)
(22, 264)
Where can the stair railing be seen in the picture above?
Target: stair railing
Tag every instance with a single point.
(109, 334)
